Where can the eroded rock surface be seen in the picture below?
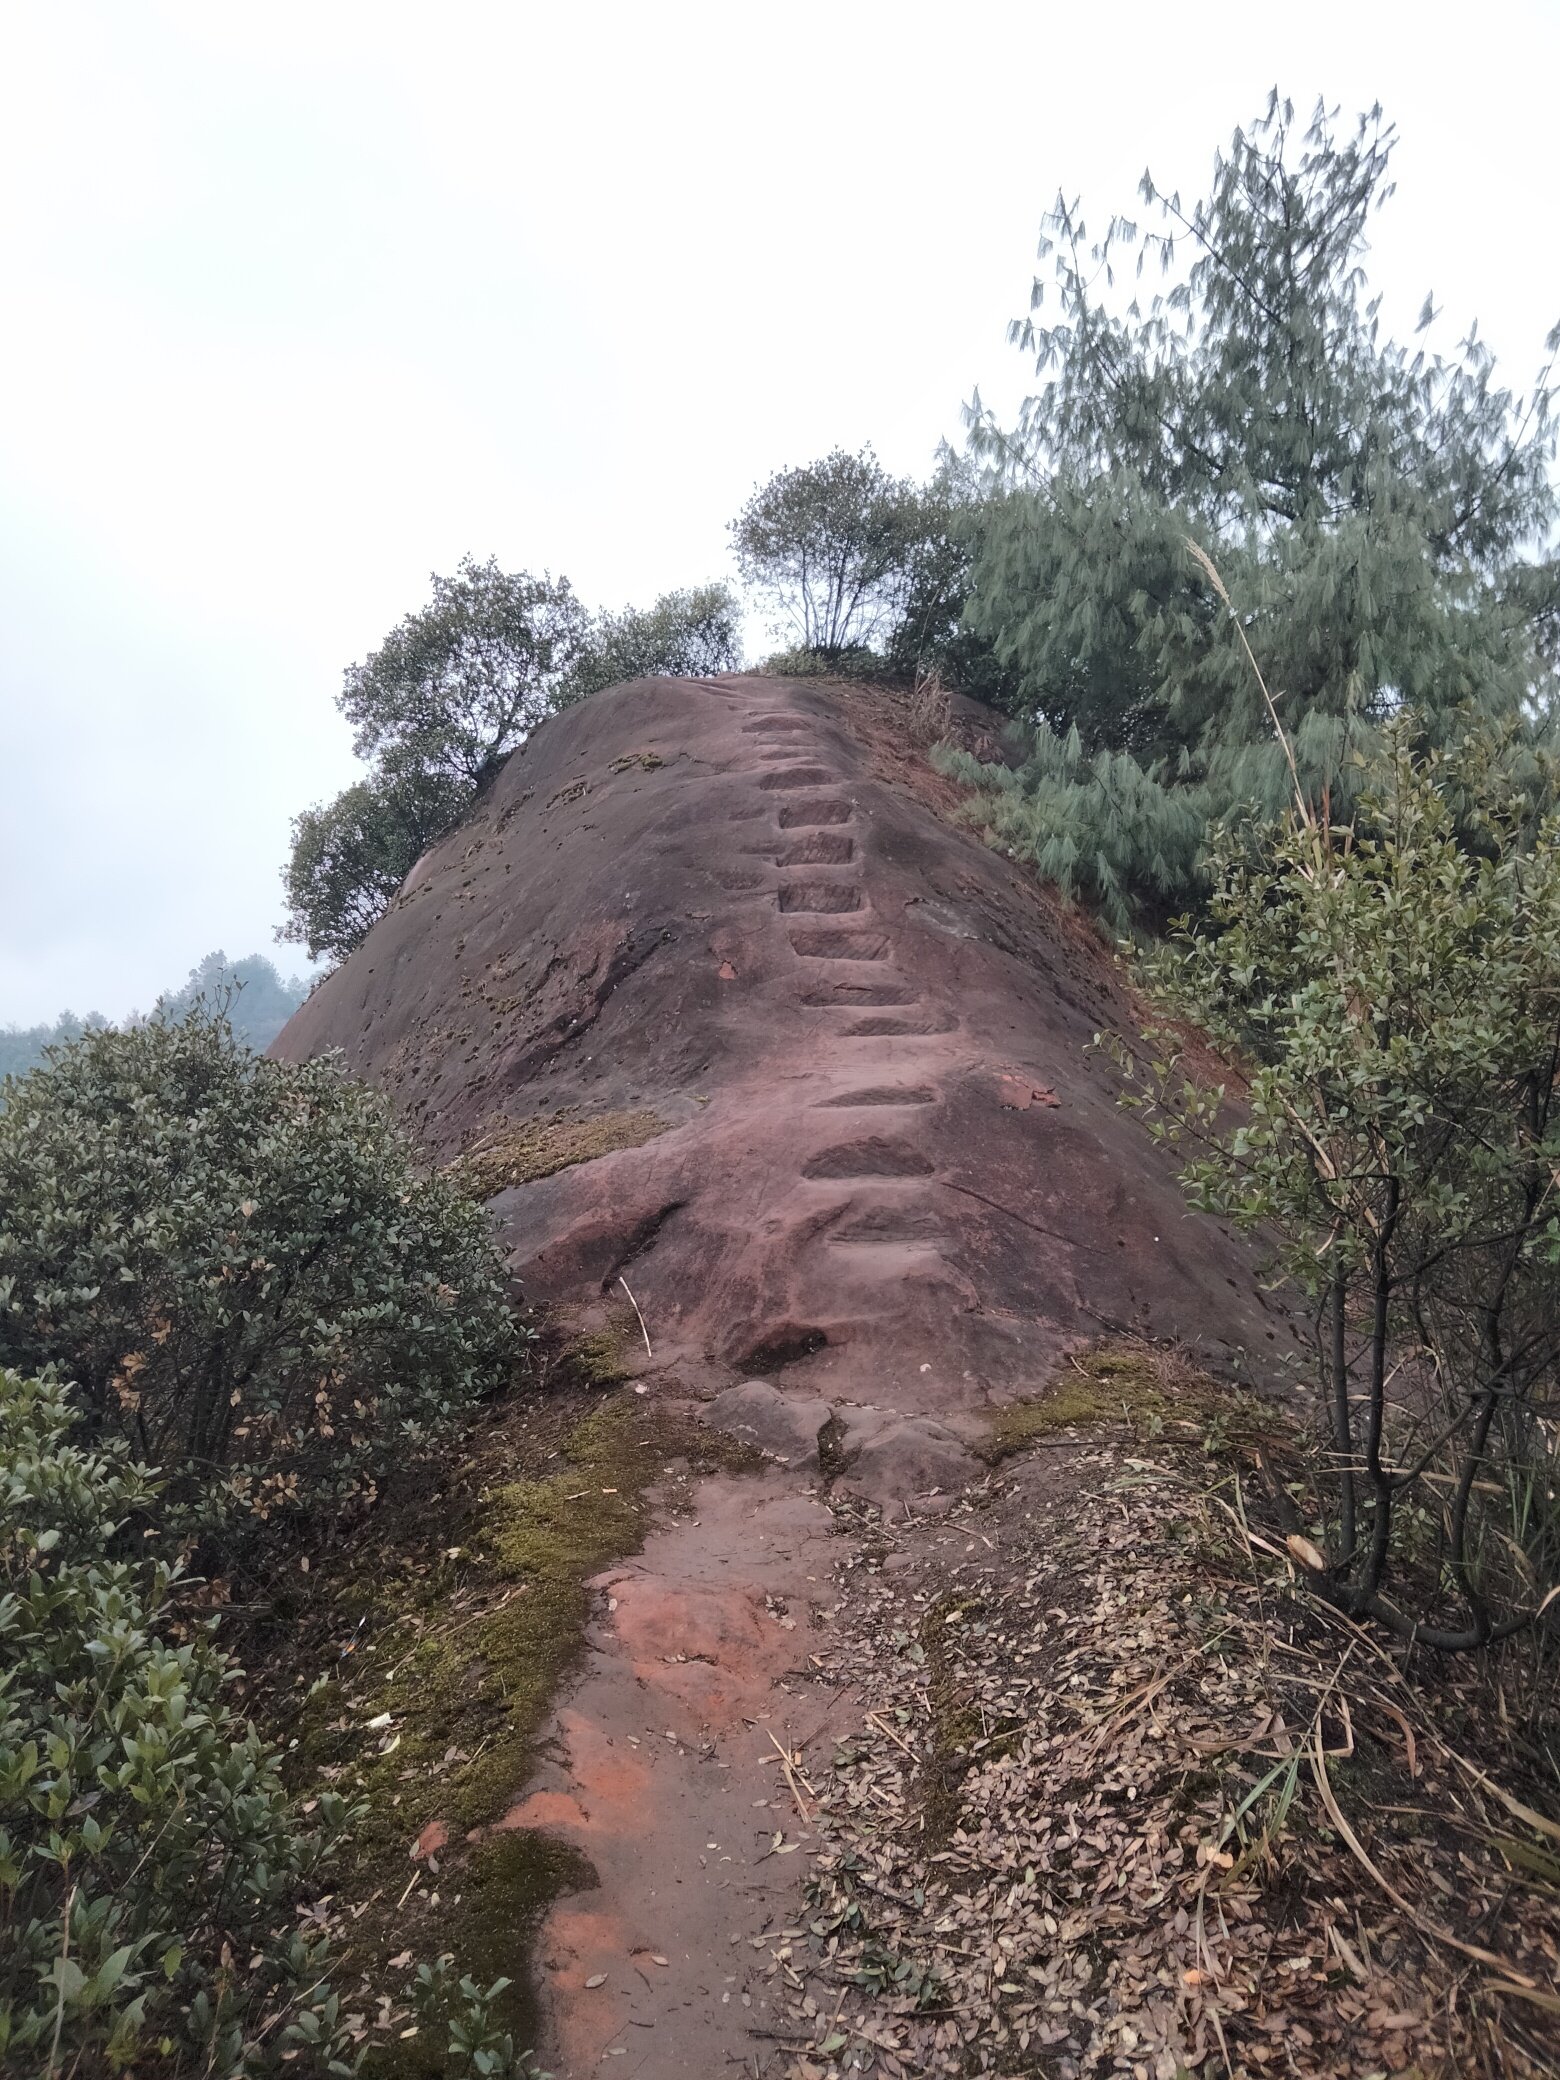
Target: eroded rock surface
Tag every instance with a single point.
(894, 1171)
(785, 1426)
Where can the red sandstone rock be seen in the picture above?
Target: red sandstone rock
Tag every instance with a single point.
(836, 1000)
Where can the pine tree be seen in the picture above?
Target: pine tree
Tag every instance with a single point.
(1383, 516)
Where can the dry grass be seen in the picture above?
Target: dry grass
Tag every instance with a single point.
(928, 710)
(517, 1152)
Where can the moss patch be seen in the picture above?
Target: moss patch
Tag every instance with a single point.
(1110, 1383)
(514, 1878)
(443, 1648)
(1149, 1391)
(508, 1882)
(518, 1152)
(468, 1668)
(594, 1360)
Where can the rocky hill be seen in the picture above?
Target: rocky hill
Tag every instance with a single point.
(732, 921)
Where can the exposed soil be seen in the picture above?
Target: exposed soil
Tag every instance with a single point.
(893, 1185)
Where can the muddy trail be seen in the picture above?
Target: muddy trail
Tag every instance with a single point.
(781, 1087)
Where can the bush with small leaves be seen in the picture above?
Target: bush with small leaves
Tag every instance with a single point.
(149, 1857)
(243, 1268)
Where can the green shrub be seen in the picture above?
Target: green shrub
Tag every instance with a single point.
(241, 1267)
(149, 1860)
(1393, 986)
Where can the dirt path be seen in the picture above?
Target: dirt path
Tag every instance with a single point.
(667, 1766)
(665, 1771)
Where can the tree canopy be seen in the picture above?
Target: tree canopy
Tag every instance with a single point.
(686, 634)
(930, 631)
(831, 545)
(458, 684)
(1383, 515)
(438, 707)
(349, 856)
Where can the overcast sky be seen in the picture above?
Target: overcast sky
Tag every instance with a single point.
(304, 301)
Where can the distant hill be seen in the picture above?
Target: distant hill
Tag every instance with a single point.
(258, 1000)
(21, 1047)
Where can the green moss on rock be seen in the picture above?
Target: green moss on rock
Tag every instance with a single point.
(516, 1152)
(1146, 1388)
(435, 1717)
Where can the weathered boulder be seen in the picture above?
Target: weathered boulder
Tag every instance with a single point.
(785, 1426)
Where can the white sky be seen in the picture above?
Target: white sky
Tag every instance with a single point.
(303, 301)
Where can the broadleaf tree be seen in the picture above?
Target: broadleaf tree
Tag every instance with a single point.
(686, 634)
(831, 545)
(1384, 513)
(457, 685)
(436, 709)
(350, 856)
(930, 632)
